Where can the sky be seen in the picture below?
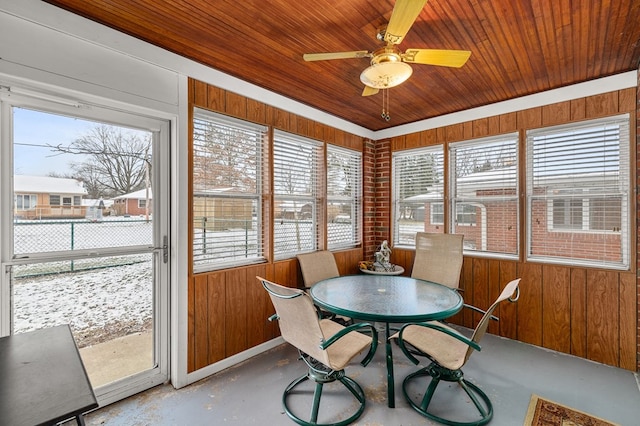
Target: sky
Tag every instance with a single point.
(33, 134)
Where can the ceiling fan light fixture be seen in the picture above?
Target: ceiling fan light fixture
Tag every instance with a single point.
(384, 75)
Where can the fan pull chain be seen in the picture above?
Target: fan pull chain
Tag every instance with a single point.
(385, 105)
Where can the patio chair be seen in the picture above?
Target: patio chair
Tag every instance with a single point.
(438, 258)
(317, 266)
(324, 345)
(448, 350)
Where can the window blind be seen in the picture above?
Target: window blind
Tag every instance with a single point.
(484, 193)
(418, 193)
(344, 197)
(578, 193)
(227, 200)
(297, 164)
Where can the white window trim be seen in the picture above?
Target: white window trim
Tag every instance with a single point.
(626, 201)
(479, 201)
(355, 199)
(224, 120)
(315, 198)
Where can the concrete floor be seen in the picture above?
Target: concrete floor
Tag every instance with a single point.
(508, 371)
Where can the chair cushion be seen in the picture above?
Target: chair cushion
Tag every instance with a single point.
(444, 349)
(347, 347)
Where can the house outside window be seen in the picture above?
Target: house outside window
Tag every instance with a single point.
(227, 175)
(344, 197)
(418, 179)
(297, 164)
(578, 193)
(484, 194)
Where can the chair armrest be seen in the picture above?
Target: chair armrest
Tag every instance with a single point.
(354, 327)
(480, 311)
(437, 327)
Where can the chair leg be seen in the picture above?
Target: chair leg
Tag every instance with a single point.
(316, 402)
(474, 391)
(354, 388)
(438, 373)
(426, 400)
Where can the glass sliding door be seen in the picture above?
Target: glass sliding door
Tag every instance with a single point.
(84, 236)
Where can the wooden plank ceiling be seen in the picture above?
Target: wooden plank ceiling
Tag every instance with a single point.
(519, 47)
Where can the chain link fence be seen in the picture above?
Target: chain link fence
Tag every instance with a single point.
(48, 236)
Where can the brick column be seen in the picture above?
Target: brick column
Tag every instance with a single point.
(382, 181)
(368, 198)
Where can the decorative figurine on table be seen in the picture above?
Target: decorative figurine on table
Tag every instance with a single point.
(381, 263)
(383, 258)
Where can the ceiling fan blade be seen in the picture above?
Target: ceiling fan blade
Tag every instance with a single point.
(335, 55)
(368, 91)
(444, 58)
(402, 18)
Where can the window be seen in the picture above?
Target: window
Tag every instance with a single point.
(484, 193)
(26, 201)
(297, 162)
(465, 214)
(77, 200)
(578, 193)
(344, 195)
(142, 203)
(227, 191)
(54, 200)
(66, 201)
(417, 193)
(437, 213)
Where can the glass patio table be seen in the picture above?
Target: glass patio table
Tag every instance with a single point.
(386, 299)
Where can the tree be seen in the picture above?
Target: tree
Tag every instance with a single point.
(116, 161)
(419, 176)
(225, 160)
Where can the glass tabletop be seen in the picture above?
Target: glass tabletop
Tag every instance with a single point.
(386, 298)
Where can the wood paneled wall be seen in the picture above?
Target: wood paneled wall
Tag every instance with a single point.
(587, 312)
(228, 309)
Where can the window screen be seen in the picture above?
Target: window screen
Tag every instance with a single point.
(297, 163)
(484, 193)
(578, 193)
(418, 193)
(227, 202)
(344, 197)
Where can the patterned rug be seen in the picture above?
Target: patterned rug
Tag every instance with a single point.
(543, 412)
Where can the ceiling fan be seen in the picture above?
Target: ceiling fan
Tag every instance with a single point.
(389, 66)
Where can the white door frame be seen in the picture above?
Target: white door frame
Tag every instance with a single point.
(162, 127)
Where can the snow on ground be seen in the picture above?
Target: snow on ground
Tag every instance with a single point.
(99, 304)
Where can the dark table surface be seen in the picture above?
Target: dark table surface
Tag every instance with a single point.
(42, 378)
